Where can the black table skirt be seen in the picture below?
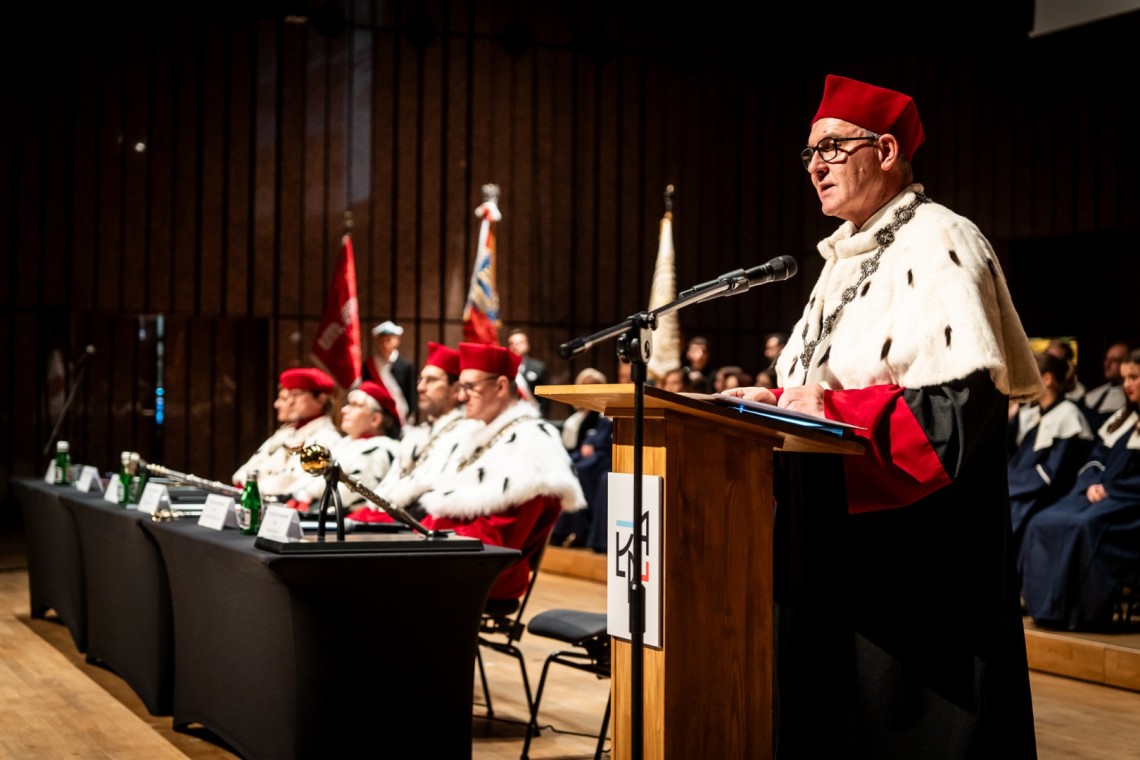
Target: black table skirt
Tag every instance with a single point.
(318, 655)
(130, 626)
(55, 559)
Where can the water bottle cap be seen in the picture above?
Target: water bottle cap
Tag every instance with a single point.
(125, 457)
(252, 475)
(62, 446)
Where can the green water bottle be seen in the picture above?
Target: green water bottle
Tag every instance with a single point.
(251, 503)
(62, 462)
(125, 479)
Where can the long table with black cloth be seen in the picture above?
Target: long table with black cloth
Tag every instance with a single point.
(280, 655)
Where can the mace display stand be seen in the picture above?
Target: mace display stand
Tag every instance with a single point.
(707, 690)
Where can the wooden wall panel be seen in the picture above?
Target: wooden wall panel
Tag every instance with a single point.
(374, 259)
(133, 120)
(264, 263)
(396, 297)
(260, 135)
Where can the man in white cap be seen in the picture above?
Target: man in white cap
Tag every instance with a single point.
(899, 632)
(391, 370)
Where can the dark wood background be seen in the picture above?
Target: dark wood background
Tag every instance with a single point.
(191, 169)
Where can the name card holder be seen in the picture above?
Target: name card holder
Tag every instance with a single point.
(218, 512)
(280, 524)
(154, 497)
(89, 480)
(49, 476)
(114, 490)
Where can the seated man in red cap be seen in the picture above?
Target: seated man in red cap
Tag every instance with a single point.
(371, 426)
(899, 632)
(508, 480)
(304, 400)
(425, 448)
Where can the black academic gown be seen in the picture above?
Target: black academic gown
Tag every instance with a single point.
(899, 632)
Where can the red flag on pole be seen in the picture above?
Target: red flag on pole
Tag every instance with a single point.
(481, 314)
(337, 343)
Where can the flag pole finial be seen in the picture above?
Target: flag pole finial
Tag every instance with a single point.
(347, 222)
(491, 193)
(668, 199)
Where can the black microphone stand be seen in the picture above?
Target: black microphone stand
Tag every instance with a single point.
(81, 368)
(634, 347)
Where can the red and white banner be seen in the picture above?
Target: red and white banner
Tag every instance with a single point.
(337, 343)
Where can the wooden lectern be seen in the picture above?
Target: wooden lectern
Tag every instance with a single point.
(708, 689)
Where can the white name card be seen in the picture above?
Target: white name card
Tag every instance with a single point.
(49, 476)
(154, 497)
(218, 512)
(89, 480)
(280, 524)
(114, 490)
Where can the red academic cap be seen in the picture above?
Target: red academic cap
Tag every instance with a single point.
(875, 108)
(444, 357)
(380, 395)
(494, 359)
(306, 379)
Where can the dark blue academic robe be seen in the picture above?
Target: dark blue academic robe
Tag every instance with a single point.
(1044, 466)
(1076, 552)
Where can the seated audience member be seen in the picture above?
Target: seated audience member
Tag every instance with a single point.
(773, 344)
(1063, 349)
(1053, 440)
(304, 399)
(371, 425)
(1077, 550)
(730, 377)
(699, 370)
(766, 378)
(507, 481)
(676, 381)
(588, 437)
(1100, 402)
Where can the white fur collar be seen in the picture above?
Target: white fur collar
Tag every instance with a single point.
(512, 459)
(934, 310)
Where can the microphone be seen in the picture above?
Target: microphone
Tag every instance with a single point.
(777, 270)
(740, 280)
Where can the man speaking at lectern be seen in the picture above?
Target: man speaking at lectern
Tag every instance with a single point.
(898, 630)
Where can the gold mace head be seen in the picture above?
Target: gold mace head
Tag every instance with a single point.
(315, 459)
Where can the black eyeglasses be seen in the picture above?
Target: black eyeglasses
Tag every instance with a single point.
(828, 148)
(469, 388)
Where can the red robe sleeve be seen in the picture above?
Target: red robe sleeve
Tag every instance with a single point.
(901, 464)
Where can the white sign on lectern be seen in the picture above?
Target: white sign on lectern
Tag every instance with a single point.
(619, 555)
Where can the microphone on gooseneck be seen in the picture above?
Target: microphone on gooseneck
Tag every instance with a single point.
(740, 280)
(777, 270)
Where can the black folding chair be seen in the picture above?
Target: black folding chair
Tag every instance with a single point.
(587, 633)
(501, 628)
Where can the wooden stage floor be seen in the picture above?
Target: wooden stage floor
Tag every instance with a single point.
(55, 704)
